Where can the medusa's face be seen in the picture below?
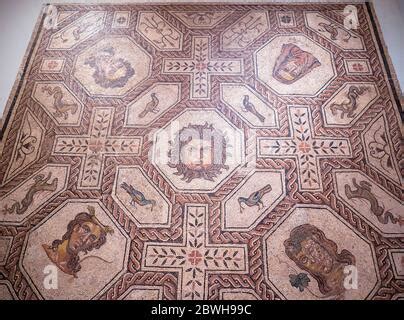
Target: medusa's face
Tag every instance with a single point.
(199, 151)
(197, 154)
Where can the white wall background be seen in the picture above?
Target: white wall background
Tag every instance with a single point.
(18, 17)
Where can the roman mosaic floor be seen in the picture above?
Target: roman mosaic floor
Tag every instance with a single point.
(203, 152)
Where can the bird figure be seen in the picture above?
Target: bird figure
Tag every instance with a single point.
(151, 106)
(61, 107)
(137, 196)
(255, 198)
(249, 107)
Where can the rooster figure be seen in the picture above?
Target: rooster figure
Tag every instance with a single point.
(151, 106)
(255, 198)
(137, 196)
(249, 107)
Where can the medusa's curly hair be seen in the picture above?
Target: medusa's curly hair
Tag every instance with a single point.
(293, 245)
(208, 172)
(74, 262)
